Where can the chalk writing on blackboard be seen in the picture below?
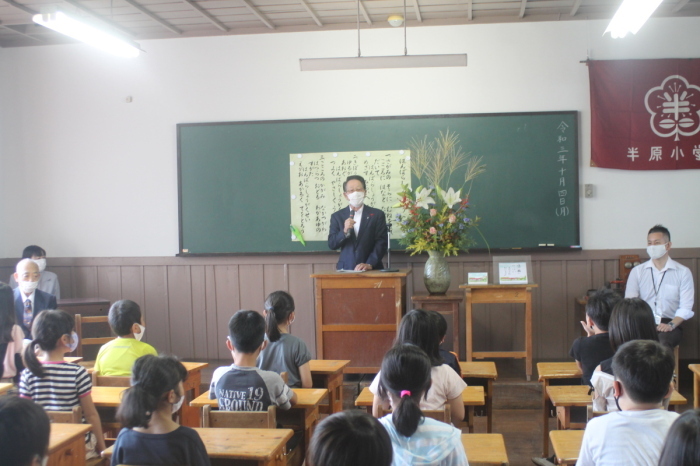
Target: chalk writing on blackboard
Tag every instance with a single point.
(316, 184)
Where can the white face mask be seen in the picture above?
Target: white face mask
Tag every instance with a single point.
(178, 404)
(41, 263)
(28, 287)
(73, 341)
(356, 198)
(138, 336)
(656, 251)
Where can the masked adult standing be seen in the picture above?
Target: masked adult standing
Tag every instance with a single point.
(359, 231)
(30, 301)
(665, 285)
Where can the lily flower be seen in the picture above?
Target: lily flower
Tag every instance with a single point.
(450, 197)
(423, 198)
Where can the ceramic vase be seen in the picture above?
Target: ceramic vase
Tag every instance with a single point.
(436, 275)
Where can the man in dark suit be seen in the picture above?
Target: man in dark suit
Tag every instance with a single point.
(28, 300)
(359, 231)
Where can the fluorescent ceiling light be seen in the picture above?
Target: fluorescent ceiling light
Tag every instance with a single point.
(631, 16)
(368, 63)
(84, 32)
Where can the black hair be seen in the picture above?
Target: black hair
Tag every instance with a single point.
(33, 250)
(7, 313)
(279, 304)
(350, 438)
(48, 327)
(152, 378)
(24, 431)
(660, 229)
(631, 319)
(600, 305)
(354, 177)
(419, 328)
(682, 445)
(440, 324)
(405, 368)
(123, 315)
(645, 370)
(247, 331)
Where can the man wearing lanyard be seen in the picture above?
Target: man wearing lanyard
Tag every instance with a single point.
(665, 285)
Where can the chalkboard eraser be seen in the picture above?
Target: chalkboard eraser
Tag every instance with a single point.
(550, 245)
(542, 245)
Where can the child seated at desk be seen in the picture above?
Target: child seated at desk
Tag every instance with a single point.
(350, 438)
(416, 439)
(242, 386)
(117, 357)
(595, 347)
(284, 352)
(682, 445)
(24, 432)
(449, 358)
(635, 434)
(418, 328)
(55, 384)
(150, 436)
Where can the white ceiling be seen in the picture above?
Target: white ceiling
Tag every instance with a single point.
(158, 19)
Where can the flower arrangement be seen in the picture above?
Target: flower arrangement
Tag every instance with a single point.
(435, 219)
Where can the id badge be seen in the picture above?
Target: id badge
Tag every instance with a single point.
(657, 319)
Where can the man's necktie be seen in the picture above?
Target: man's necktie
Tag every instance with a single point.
(28, 313)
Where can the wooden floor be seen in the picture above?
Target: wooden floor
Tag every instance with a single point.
(517, 406)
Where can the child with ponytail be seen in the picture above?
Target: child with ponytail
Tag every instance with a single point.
(416, 440)
(55, 384)
(284, 352)
(150, 436)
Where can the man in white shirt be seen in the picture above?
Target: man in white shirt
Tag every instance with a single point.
(635, 434)
(665, 285)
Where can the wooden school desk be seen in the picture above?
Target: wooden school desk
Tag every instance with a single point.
(5, 387)
(107, 397)
(567, 445)
(563, 397)
(485, 449)
(305, 413)
(471, 396)
(73, 359)
(328, 374)
(498, 294)
(263, 447)
(485, 370)
(548, 371)
(695, 369)
(67, 444)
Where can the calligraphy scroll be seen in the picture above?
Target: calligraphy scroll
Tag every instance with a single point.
(316, 185)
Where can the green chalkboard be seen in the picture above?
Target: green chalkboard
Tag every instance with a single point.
(233, 177)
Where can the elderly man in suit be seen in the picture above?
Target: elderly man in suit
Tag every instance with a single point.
(29, 301)
(359, 231)
(48, 283)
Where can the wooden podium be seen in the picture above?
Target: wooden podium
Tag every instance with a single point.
(357, 315)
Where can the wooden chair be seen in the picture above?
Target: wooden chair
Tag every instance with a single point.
(240, 419)
(110, 380)
(75, 416)
(442, 415)
(79, 322)
(285, 377)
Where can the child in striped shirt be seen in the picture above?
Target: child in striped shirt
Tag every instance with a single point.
(55, 384)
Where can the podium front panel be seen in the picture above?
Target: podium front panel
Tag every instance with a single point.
(359, 306)
(364, 349)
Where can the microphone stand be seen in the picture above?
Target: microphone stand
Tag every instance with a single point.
(388, 251)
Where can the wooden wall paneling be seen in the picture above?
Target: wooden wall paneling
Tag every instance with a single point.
(109, 283)
(227, 303)
(274, 278)
(65, 279)
(301, 287)
(85, 282)
(180, 312)
(577, 282)
(5, 273)
(251, 286)
(597, 274)
(539, 328)
(210, 312)
(612, 270)
(155, 307)
(553, 336)
(199, 311)
(132, 284)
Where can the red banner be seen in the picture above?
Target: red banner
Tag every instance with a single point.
(645, 114)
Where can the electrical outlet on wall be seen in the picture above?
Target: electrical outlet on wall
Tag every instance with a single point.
(587, 190)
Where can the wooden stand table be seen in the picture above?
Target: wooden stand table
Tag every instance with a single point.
(567, 445)
(483, 449)
(67, 444)
(485, 372)
(548, 371)
(447, 305)
(499, 294)
(357, 315)
(328, 374)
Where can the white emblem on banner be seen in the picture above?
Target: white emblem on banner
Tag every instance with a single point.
(674, 107)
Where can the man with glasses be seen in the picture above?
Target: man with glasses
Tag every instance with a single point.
(359, 231)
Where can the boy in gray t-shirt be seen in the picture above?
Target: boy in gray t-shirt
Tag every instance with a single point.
(242, 386)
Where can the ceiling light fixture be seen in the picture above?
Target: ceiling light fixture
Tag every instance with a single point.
(396, 61)
(395, 20)
(90, 34)
(631, 16)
